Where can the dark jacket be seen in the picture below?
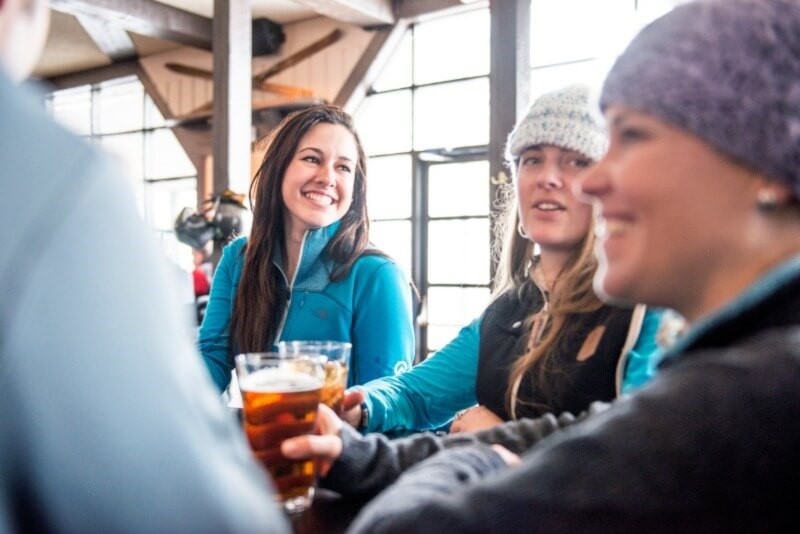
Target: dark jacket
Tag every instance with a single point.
(571, 384)
(709, 445)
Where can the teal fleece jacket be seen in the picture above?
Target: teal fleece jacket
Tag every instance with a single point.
(430, 394)
(371, 308)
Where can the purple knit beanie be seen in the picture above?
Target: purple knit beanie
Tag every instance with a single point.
(727, 71)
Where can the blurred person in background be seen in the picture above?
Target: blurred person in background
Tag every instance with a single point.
(109, 421)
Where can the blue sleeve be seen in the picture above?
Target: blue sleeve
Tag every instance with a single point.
(646, 353)
(214, 337)
(383, 327)
(428, 395)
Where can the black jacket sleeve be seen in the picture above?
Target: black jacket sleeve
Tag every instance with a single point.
(707, 447)
(370, 463)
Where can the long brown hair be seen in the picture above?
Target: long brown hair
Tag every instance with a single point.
(259, 299)
(572, 293)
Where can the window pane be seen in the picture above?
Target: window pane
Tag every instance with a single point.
(73, 109)
(455, 306)
(592, 73)
(458, 189)
(394, 238)
(649, 10)
(152, 116)
(569, 30)
(389, 187)
(451, 115)
(458, 251)
(452, 47)
(397, 72)
(166, 157)
(439, 336)
(384, 123)
(166, 199)
(120, 107)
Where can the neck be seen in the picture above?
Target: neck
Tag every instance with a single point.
(735, 273)
(550, 265)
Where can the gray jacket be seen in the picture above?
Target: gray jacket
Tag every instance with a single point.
(108, 419)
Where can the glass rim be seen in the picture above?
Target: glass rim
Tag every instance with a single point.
(317, 343)
(253, 357)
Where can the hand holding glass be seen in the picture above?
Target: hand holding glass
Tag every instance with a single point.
(280, 394)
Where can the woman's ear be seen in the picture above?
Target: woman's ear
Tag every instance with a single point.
(771, 194)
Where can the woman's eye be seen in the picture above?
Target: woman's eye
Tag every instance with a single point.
(531, 160)
(311, 159)
(629, 135)
(581, 163)
(344, 168)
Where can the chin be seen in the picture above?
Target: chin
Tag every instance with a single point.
(609, 287)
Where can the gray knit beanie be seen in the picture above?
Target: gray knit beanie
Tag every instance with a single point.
(563, 118)
(727, 71)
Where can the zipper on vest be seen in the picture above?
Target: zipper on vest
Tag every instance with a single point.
(279, 331)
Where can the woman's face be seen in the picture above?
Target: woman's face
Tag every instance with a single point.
(548, 210)
(317, 186)
(672, 212)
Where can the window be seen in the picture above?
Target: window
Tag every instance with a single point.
(577, 40)
(119, 116)
(426, 127)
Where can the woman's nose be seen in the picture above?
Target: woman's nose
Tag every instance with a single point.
(326, 175)
(550, 178)
(588, 184)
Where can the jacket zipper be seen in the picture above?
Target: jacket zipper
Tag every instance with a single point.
(279, 331)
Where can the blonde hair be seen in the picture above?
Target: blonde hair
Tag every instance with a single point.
(572, 293)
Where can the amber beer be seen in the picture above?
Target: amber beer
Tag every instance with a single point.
(335, 384)
(335, 355)
(280, 401)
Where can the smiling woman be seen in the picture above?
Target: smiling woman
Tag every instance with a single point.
(545, 342)
(308, 272)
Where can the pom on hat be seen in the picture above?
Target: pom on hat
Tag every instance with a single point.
(564, 118)
(727, 71)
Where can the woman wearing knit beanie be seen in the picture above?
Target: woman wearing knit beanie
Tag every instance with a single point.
(698, 205)
(546, 342)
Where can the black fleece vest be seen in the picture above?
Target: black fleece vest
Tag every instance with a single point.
(573, 385)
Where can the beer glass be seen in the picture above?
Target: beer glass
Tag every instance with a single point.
(336, 357)
(280, 394)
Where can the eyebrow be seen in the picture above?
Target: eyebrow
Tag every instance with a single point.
(620, 117)
(321, 153)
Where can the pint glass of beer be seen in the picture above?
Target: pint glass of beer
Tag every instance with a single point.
(280, 394)
(336, 357)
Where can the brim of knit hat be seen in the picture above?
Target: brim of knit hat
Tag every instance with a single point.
(588, 142)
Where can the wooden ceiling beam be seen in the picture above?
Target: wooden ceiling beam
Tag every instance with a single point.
(357, 12)
(144, 17)
(97, 75)
(383, 43)
(111, 39)
(412, 9)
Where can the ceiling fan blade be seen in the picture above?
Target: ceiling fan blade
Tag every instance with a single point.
(189, 71)
(285, 90)
(298, 56)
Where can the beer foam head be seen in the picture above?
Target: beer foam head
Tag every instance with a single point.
(280, 380)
